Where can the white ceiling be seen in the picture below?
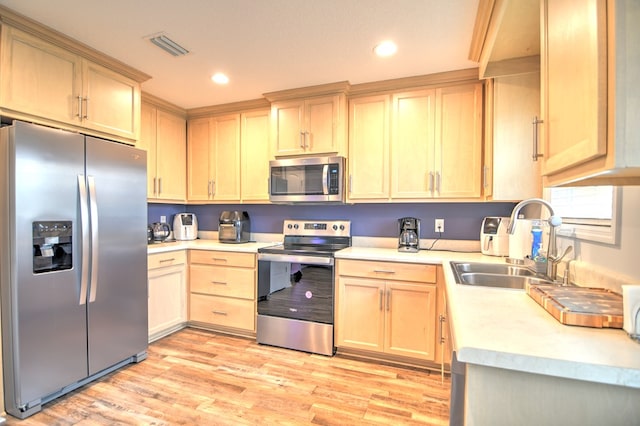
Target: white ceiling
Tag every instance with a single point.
(264, 45)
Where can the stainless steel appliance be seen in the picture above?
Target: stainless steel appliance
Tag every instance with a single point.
(409, 234)
(73, 261)
(185, 226)
(307, 180)
(161, 231)
(234, 227)
(296, 286)
(494, 238)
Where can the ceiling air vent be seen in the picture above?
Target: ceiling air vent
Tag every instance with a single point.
(168, 45)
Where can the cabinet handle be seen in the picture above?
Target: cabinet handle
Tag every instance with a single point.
(535, 123)
(485, 170)
(155, 186)
(350, 184)
(218, 259)
(441, 318)
(86, 108)
(79, 114)
(430, 181)
(383, 271)
(438, 182)
(159, 186)
(388, 300)
(218, 283)
(380, 300)
(301, 139)
(208, 188)
(167, 260)
(213, 188)
(219, 313)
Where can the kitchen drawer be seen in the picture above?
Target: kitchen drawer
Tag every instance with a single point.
(223, 281)
(223, 258)
(387, 270)
(160, 260)
(223, 311)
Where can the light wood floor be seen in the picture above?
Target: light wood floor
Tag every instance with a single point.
(195, 377)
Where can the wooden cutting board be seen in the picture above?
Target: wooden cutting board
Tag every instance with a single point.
(583, 306)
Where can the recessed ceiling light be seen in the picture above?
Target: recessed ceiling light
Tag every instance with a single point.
(220, 78)
(386, 48)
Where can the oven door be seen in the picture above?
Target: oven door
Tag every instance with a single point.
(295, 302)
(296, 287)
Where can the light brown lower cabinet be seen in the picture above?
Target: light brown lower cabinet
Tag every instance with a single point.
(388, 308)
(167, 275)
(222, 290)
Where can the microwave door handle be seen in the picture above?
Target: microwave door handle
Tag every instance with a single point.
(325, 179)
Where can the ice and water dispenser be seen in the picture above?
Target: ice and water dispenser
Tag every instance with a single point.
(52, 246)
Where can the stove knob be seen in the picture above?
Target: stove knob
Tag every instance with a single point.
(289, 226)
(335, 227)
(295, 226)
(342, 227)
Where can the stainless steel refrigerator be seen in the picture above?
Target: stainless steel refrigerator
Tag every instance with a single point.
(73, 261)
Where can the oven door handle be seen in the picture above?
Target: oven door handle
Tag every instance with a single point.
(294, 258)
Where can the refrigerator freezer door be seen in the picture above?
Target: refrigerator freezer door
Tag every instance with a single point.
(117, 307)
(43, 322)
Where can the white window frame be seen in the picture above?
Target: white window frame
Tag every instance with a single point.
(589, 232)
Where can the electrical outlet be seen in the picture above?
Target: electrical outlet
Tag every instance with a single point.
(439, 225)
(163, 219)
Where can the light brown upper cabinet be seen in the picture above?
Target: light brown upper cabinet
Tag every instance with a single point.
(309, 121)
(590, 65)
(49, 84)
(214, 159)
(163, 136)
(436, 141)
(369, 148)
(255, 155)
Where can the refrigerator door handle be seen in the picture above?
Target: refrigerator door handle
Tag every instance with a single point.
(93, 209)
(84, 224)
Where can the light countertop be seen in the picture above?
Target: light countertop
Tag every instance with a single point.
(505, 328)
(250, 247)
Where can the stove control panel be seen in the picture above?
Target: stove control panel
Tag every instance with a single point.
(337, 228)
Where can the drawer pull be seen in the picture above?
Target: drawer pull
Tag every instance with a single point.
(167, 260)
(383, 271)
(380, 300)
(219, 313)
(219, 259)
(218, 283)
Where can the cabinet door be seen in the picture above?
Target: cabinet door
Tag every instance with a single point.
(287, 127)
(458, 153)
(171, 156)
(39, 78)
(167, 299)
(255, 156)
(411, 320)
(225, 161)
(574, 82)
(412, 142)
(360, 316)
(199, 145)
(111, 102)
(369, 148)
(322, 125)
(148, 143)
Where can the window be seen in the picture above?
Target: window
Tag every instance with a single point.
(588, 212)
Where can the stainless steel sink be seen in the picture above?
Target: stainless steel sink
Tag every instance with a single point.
(492, 268)
(496, 275)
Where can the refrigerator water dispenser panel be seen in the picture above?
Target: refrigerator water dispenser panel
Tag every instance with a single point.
(52, 246)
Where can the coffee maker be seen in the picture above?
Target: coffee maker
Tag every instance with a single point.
(408, 234)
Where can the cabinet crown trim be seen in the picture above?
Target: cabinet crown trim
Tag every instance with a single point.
(341, 87)
(21, 22)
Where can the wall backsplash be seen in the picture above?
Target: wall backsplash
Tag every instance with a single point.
(462, 220)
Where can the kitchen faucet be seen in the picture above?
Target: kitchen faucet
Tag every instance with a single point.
(554, 221)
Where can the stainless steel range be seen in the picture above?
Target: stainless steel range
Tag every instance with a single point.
(296, 286)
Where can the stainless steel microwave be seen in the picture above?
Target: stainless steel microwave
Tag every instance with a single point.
(307, 180)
